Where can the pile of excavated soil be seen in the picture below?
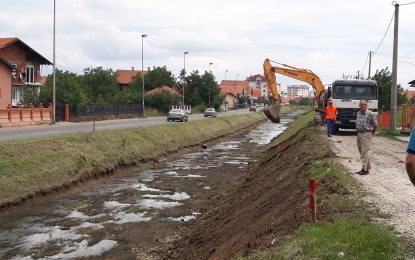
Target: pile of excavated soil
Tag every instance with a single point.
(268, 203)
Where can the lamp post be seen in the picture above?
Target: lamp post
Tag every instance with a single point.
(184, 72)
(142, 68)
(236, 94)
(54, 67)
(210, 63)
(225, 73)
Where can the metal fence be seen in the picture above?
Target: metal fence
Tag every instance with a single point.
(105, 110)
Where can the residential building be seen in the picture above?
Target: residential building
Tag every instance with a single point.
(20, 67)
(163, 89)
(125, 77)
(298, 91)
(408, 93)
(258, 82)
(232, 90)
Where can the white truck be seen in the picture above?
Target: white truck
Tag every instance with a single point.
(346, 95)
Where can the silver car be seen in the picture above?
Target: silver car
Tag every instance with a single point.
(177, 114)
(210, 112)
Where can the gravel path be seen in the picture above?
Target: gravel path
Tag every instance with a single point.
(387, 183)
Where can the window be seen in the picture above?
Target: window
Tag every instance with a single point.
(30, 74)
(14, 94)
(355, 92)
(14, 71)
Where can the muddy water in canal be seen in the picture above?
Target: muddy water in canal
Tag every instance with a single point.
(137, 215)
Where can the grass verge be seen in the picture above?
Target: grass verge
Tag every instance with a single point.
(345, 227)
(39, 166)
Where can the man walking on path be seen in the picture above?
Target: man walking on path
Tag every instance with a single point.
(366, 125)
(330, 116)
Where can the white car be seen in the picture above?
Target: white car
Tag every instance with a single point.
(177, 114)
(210, 112)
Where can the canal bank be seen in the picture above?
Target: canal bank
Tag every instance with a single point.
(40, 166)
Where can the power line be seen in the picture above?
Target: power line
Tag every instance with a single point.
(408, 3)
(389, 57)
(406, 57)
(393, 15)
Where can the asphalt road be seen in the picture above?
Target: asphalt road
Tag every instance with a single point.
(61, 128)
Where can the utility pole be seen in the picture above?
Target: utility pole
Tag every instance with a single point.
(394, 88)
(370, 63)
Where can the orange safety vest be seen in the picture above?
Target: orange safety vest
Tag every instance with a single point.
(331, 113)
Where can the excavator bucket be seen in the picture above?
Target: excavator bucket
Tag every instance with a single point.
(273, 113)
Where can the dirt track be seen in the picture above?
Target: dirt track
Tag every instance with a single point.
(388, 184)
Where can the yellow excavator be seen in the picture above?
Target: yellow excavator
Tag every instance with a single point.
(273, 111)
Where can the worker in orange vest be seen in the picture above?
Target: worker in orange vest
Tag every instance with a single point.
(330, 116)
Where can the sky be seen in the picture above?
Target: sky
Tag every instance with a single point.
(331, 38)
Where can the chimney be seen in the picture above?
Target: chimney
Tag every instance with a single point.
(132, 68)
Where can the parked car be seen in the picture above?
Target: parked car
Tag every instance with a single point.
(252, 109)
(210, 112)
(177, 114)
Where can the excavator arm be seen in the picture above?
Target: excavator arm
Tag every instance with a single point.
(272, 112)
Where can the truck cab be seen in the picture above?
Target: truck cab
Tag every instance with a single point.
(346, 95)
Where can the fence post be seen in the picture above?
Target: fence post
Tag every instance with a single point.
(9, 112)
(404, 120)
(312, 184)
(66, 113)
(21, 112)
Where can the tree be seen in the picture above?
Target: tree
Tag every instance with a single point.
(101, 84)
(384, 81)
(155, 78)
(29, 96)
(198, 87)
(69, 90)
(163, 100)
(128, 96)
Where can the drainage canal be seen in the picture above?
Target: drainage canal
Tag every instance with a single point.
(138, 214)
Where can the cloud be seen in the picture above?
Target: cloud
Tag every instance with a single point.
(328, 37)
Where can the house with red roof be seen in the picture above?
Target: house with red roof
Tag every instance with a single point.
(408, 93)
(258, 82)
(163, 89)
(20, 67)
(125, 77)
(232, 90)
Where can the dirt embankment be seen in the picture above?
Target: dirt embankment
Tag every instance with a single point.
(268, 203)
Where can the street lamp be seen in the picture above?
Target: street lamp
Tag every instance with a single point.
(236, 94)
(225, 73)
(54, 66)
(184, 72)
(210, 63)
(142, 67)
